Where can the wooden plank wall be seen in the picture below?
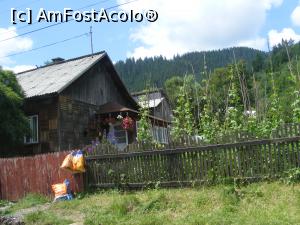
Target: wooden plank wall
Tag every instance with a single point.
(74, 118)
(175, 167)
(20, 176)
(97, 87)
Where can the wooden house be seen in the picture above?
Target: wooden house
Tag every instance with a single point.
(63, 97)
(158, 104)
(71, 103)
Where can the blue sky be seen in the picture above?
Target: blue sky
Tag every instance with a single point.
(182, 26)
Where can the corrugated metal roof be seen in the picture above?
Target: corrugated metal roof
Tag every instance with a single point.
(152, 103)
(55, 78)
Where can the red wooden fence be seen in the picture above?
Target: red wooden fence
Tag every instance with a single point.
(36, 174)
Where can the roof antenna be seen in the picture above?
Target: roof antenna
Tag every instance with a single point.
(91, 36)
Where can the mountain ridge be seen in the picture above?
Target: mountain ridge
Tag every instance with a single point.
(135, 73)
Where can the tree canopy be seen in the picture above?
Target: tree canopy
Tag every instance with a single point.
(13, 123)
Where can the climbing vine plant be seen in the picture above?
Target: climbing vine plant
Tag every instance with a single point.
(144, 131)
(209, 124)
(233, 115)
(183, 121)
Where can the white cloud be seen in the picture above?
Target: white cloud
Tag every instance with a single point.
(275, 37)
(13, 45)
(19, 68)
(199, 25)
(270, 3)
(295, 16)
(257, 43)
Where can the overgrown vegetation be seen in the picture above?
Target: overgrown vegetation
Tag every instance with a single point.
(258, 203)
(144, 134)
(238, 98)
(183, 123)
(292, 176)
(45, 218)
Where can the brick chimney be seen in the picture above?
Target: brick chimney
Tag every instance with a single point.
(57, 60)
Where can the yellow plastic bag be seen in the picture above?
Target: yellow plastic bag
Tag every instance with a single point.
(78, 162)
(74, 162)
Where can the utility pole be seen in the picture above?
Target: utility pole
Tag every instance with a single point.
(91, 37)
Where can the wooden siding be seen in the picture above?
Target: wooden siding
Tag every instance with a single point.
(97, 87)
(74, 117)
(163, 110)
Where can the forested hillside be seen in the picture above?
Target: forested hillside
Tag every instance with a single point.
(135, 73)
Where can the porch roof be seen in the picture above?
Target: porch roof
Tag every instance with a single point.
(112, 107)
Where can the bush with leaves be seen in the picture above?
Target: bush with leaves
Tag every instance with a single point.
(13, 123)
(292, 176)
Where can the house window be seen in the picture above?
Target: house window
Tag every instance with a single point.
(33, 137)
(117, 135)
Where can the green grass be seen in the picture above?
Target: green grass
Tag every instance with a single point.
(28, 201)
(45, 218)
(258, 203)
(3, 203)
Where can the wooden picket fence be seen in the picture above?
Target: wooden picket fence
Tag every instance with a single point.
(190, 161)
(250, 159)
(285, 130)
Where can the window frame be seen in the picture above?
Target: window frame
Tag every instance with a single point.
(30, 119)
(120, 130)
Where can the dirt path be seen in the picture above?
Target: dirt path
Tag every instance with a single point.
(23, 212)
(20, 214)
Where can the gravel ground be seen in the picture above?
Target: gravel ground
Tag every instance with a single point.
(10, 220)
(18, 217)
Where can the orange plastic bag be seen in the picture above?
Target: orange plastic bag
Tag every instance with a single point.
(74, 162)
(59, 189)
